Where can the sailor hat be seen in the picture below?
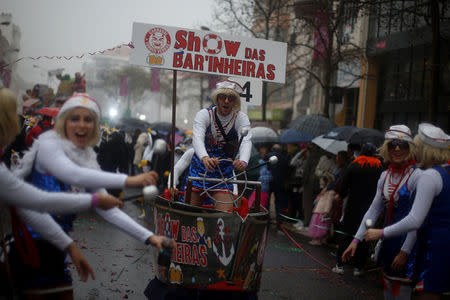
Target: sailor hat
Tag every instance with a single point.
(398, 132)
(434, 136)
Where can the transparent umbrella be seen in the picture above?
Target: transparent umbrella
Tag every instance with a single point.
(330, 145)
(261, 134)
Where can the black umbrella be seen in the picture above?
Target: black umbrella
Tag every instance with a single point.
(367, 135)
(342, 133)
(312, 124)
(132, 123)
(162, 127)
(292, 136)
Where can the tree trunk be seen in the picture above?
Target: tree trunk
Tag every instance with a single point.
(264, 100)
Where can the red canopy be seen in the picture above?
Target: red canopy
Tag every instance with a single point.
(49, 111)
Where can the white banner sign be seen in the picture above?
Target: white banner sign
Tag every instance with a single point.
(206, 52)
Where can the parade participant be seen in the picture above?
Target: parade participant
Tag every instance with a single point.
(79, 83)
(15, 161)
(63, 159)
(216, 133)
(41, 127)
(394, 195)
(139, 148)
(14, 191)
(430, 215)
(359, 182)
(179, 170)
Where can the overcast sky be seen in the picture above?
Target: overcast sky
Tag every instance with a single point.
(66, 27)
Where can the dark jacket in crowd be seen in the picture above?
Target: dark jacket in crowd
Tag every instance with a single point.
(359, 183)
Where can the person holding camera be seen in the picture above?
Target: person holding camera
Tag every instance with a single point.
(216, 137)
(79, 84)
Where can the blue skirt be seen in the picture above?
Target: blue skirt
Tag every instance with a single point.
(197, 169)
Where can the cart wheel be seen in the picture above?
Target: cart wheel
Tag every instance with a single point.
(225, 181)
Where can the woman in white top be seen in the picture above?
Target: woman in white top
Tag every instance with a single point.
(429, 215)
(15, 191)
(63, 159)
(394, 195)
(217, 131)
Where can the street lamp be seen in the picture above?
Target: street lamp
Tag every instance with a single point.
(112, 112)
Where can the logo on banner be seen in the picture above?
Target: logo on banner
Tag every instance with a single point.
(212, 44)
(157, 40)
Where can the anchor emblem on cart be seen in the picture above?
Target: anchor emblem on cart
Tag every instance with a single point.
(223, 258)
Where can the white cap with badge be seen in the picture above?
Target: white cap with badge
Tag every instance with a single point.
(398, 132)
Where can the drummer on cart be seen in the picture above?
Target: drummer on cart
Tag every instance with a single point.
(217, 143)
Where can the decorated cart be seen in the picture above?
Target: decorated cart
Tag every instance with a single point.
(214, 249)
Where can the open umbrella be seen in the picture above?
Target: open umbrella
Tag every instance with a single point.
(367, 135)
(342, 133)
(162, 127)
(261, 134)
(292, 136)
(49, 111)
(132, 124)
(330, 145)
(312, 124)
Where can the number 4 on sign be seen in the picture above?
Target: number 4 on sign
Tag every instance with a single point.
(247, 95)
(252, 90)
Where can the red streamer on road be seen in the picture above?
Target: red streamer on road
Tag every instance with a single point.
(328, 268)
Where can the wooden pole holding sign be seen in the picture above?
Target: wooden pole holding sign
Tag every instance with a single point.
(172, 140)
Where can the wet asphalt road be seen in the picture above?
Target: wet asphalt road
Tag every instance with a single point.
(123, 266)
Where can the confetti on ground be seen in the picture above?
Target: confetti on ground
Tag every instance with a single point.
(290, 249)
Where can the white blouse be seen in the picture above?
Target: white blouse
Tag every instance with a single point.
(202, 121)
(79, 168)
(377, 207)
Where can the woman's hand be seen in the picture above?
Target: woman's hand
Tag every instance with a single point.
(144, 179)
(210, 163)
(373, 234)
(349, 252)
(399, 261)
(106, 201)
(239, 165)
(80, 262)
(161, 242)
